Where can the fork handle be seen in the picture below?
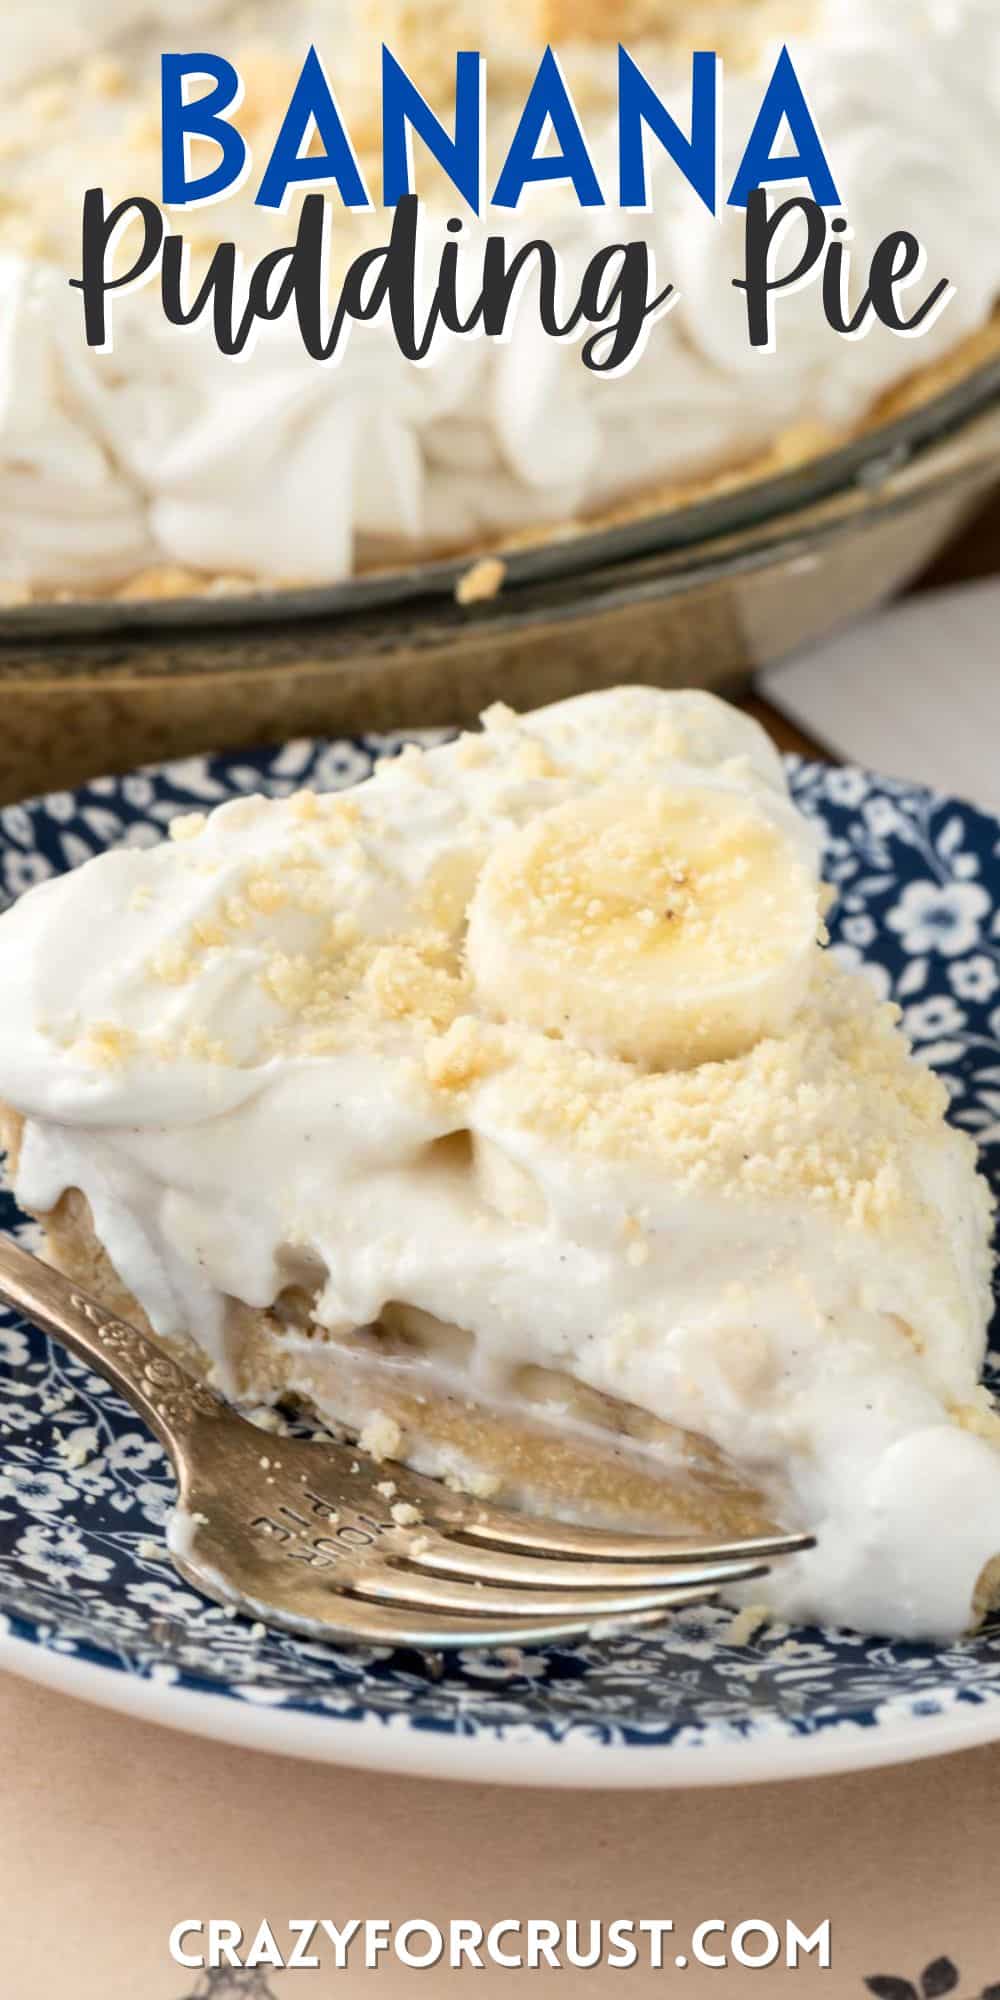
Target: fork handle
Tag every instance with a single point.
(160, 1389)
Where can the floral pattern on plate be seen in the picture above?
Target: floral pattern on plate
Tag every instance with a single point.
(84, 1490)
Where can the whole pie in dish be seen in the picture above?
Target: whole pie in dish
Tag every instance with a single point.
(508, 1110)
(163, 468)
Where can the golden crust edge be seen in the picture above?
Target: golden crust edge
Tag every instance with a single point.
(495, 1449)
(514, 1459)
(797, 445)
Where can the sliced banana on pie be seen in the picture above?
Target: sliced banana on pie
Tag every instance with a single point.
(670, 928)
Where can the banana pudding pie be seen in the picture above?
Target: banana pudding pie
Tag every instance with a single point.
(507, 1110)
(162, 468)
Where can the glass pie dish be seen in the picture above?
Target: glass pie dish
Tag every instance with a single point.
(700, 595)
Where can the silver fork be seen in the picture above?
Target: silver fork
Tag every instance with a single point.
(303, 1535)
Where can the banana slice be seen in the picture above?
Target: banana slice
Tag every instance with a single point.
(669, 929)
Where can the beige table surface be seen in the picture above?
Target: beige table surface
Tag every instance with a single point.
(111, 1831)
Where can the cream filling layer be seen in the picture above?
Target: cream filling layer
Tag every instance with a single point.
(796, 1359)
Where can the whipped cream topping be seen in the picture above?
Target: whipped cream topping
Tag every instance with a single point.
(281, 470)
(40, 36)
(268, 1056)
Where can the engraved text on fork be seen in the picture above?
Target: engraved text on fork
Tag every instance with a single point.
(295, 1532)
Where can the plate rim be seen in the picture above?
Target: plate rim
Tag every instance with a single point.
(518, 1757)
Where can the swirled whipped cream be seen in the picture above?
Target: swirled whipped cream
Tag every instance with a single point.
(542, 1014)
(163, 455)
(44, 35)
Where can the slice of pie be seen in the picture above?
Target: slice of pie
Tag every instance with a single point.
(507, 1109)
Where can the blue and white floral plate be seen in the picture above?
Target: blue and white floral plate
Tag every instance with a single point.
(89, 1602)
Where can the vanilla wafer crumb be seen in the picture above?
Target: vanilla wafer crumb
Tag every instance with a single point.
(483, 581)
(381, 1436)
